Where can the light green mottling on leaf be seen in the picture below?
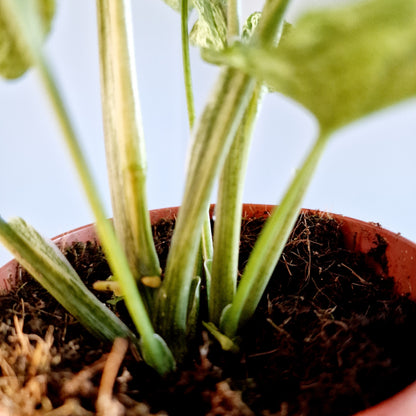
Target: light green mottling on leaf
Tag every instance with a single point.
(250, 26)
(43, 260)
(341, 63)
(13, 60)
(210, 30)
(175, 4)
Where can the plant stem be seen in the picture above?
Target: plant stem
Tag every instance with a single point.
(228, 214)
(268, 31)
(206, 240)
(229, 205)
(125, 147)
(186, 63)
(270, 245)
(152, 347)
(233, 20)
(207, 249)
(213, 139)
(112, 248)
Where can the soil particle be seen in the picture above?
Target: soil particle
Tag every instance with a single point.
(330, 337)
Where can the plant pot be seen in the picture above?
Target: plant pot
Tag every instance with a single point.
(359, 237)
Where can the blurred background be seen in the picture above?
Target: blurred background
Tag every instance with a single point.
(368, 171)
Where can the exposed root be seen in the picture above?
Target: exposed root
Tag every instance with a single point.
(106, 404)
(228, 402)
(81, 384)
(71, 407)
(24, 363)
(27, 362)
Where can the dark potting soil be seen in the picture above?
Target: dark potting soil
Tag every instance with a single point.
(329, 338)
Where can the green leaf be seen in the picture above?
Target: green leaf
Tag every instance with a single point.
(271, 24)
(210, 30)
(175, 4)
(42, 259)
(14, 58)
(250, 26)
(341, 63)
(226, 343)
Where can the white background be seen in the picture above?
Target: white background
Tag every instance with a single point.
(368, 171)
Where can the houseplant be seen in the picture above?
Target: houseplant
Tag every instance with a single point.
(326, 45)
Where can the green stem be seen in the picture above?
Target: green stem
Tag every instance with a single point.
(270, 245)
(268, 31)
(213, 139)
(206, 240)
(228, 215)
(233, 20)
(112, 248)
(207, 249)
(152, 347)
(228, 209)
(186, 63)
(125, 147)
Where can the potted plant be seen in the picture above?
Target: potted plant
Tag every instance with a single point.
(341, 64)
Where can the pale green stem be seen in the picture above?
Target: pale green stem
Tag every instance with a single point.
(213, 139)
(273, 11)
(186, 63)
(207, 249)
(229, 206)
(112, 248)
(228, 215)
(233, 20)
(270, 245)
(206, 240)
(152, 347)
(125, 148)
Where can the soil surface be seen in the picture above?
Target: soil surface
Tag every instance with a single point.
(329, 338)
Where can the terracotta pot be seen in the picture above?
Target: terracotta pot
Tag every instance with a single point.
(359, 236)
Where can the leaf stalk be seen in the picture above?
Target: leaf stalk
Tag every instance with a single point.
(270, 244)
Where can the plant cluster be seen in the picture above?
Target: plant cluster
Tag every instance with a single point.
(339, 63)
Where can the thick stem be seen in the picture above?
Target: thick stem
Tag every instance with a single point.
(214, 136)
(268, 31)
(186, 63)
(125, 148)
(228, 215)
(270, 245)
(112, 248)
(158, 356)
(206, 237)
(233, 20)
(43, 260)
